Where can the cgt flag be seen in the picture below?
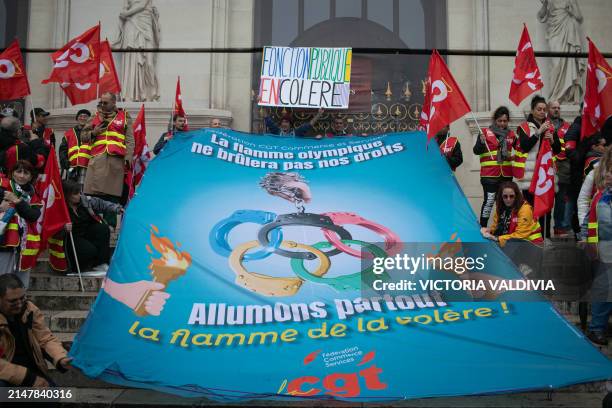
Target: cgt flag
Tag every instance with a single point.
(79, 93)
(141, 152)
(526, 78)
(543, 182)
(13, 80)
(178, 104)
(77, 61)
(54, 214)
(447, 102)
(598, 93)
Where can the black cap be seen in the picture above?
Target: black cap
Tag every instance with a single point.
(82, 112)
(38, 112)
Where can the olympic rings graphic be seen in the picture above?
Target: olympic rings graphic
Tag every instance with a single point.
(270, 241)
(219, 235)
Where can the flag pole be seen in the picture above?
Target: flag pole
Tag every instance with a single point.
(171, 124)
(76, 260)
(480, 132)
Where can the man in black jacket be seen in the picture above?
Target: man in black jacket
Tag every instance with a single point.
(178, 124)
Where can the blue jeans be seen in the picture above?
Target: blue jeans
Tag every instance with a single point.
(564, 208)
(600, 311)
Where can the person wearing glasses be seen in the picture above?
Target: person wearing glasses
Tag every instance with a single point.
(25, 339)
(112, 147)
(513, 218)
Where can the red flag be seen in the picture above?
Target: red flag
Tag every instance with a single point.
(543, 182)
(109, 80)
(526, 75)
(178, 103)
(54, 213)
(141, 148)
(447, 102)
(141, 153)
(598, 94)
(77, 61)
(79, 93)
(13, 80)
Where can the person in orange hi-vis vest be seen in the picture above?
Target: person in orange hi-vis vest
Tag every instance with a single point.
(495, 148)
(449, 147)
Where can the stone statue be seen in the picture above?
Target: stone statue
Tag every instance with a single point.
(139, 28)
(563, 21)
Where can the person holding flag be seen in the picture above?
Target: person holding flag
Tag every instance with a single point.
(531, 135)
(39, 128)
(178, 124)
(449, 147)
(494, 147)
(91, 235)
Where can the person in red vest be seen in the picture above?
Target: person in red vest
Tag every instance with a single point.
(39, 127)
(450, 148)
(74, 155)
(494, 147)
(595, 148)
(20, 209)
(530, 134)
(112, 148)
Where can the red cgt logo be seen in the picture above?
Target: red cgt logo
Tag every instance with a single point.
(345, 385)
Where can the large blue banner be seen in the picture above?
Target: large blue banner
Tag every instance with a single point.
(240, 273)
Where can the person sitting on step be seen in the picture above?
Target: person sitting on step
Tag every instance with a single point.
(91, 235)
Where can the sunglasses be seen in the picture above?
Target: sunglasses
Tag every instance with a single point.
(508, 196)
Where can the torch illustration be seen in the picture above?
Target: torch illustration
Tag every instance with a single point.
(172, 264)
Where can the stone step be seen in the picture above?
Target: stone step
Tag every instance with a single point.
(59, 300)
(65, 321)
(41, 281)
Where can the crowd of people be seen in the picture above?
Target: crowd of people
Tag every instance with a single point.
(583, 188)
(94, 156)
(97, 152)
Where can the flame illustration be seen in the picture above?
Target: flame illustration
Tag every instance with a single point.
(310, 357)
(170, 255)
